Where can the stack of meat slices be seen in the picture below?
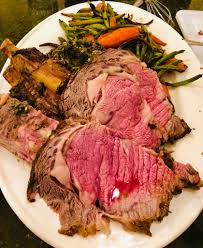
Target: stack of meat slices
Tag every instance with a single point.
(104, 161)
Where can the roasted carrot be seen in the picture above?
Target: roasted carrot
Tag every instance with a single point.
(112, 21)
(181, 67)
(118, 36)
(100, 6)
(171, 60)
(157, 40)
(89, 37)
(165, 90)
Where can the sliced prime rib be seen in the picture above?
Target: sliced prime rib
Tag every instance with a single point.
(119, 91)
(130, 183)
(74, 215)
(23, 130)
(100, 167)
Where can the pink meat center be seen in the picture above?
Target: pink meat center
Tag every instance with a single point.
(112, 170)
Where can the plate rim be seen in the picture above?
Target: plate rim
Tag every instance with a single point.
(24, 217)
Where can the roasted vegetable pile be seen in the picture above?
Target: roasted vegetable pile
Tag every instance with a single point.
(100, 27)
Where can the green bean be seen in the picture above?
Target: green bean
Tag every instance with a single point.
(105, 16)
(184, 82)
(110, 10)
(145, 42)
(93, 31)
(154, 45)
(94, 10)
(166, 67)
(143, 52)
(106, 21)
(158, 54)
(77, 14)
(118, 17)
(162, 71)
(97, 26)
(65, 26)
(149, 56)
(138, 50)
(84, 10)
(120, 26)
(155, 57)
(84, 22)
(168, 56)
(144, 29)
(147, 37)
(80, 18)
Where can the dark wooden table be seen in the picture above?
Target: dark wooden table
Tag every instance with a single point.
(17, 17)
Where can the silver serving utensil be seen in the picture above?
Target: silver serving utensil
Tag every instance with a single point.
(156, 7)
(194, 43)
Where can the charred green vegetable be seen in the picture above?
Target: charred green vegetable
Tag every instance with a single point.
(75, 53)
(88, 25)
(20, 108)
(184, 82)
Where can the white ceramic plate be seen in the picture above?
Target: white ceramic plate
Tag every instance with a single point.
(185, 208)
(191, 22)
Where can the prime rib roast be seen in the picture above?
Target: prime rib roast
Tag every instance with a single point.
(121, 93)
(104, 160)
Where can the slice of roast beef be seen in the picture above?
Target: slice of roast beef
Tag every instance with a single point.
(23, 130)
(132, 184)
(75, 216)
(119, 91)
